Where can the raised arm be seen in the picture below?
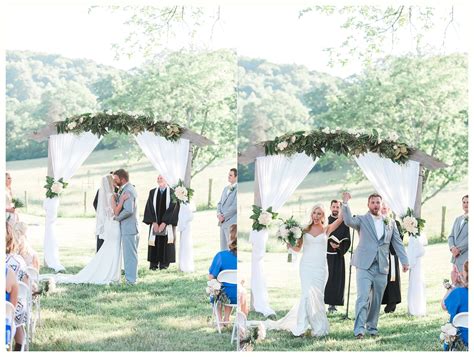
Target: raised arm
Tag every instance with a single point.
(353, 222)
(333, 226)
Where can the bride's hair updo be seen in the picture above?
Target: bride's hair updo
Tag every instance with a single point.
(323, 219)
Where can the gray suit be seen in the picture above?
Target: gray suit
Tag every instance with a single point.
(227, 206)
(128, 218)
(372, 263)
(459, 238)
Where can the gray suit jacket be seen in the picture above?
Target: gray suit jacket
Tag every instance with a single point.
(370, 247)
(227, 206)
(459, 238)
(128, 216)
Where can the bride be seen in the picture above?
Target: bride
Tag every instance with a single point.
(310, 311)
(104, 268)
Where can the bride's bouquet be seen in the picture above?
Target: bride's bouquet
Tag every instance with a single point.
(290, 232)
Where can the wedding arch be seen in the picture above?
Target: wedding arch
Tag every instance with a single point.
(168, 146)
(395, 169)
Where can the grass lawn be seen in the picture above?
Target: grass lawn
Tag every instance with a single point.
(398, 331)
(166, 310)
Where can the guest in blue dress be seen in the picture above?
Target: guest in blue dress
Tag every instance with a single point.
(227, 259)
(457, 300)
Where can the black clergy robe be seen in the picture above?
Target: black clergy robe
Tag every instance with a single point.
(392, 294)
(334, 292)
(163, 253)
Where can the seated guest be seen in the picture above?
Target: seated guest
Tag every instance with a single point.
(243, 304)
(227, 259)
(11, 295)
(456, 299)
(24, 248)
(17, 264)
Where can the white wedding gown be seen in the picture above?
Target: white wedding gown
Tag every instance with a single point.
(309, 311)
(105, 266)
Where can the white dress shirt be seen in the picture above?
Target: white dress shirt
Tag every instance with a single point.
(378, 222)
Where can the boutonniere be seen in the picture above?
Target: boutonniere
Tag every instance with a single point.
(386, 221)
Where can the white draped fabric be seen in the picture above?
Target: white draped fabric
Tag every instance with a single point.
(170, 159)
(68, 152)
(278, 177)
(398, 184)
(416, 282)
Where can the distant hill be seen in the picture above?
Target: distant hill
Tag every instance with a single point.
(41, 87)
(276, 98)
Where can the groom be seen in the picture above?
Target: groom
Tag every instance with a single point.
(128, 225)
(371, 261)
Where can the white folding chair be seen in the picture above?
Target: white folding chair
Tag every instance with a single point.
(10, 322)
(228, 276)
(35, 307)
(24, 294)
(461, 320)
(240, 322)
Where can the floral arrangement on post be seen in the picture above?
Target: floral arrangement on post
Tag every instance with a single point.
(251, 336)
(290, 232)
(348, 143)
(214, 290)
(17, 203)
(103, 122)
(54, 188)
(411, 224)
(181, 193)
(262, 219)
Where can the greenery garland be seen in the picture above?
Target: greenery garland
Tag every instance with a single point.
(348, 143)
(54, 188)
(102, 123)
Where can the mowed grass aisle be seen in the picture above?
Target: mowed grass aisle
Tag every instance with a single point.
(398, 331)
(166, 310)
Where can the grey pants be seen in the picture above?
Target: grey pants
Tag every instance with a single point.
(370, 288)
(130, 256)
(225, 232)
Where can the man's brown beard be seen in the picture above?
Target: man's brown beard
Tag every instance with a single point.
(375, 213)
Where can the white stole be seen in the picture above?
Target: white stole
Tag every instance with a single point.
(169, 228)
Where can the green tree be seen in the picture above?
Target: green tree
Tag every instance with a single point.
(194, 89)
(423, 99)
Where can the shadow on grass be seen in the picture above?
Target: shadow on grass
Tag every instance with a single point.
(166, 310)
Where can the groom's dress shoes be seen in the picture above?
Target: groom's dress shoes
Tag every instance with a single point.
(360, 336)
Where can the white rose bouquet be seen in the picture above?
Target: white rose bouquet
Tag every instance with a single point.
(290, 232)
(54, 188)
(262, 218)
(411, 224)
(214, 290)
(181, 193)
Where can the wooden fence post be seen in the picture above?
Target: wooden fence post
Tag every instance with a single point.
(443, 220)
(209, 197)
(26, 201)
(85, 202)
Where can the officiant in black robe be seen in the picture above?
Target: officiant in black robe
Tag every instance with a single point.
(392, 295)
(161, 214)
(334, 292)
